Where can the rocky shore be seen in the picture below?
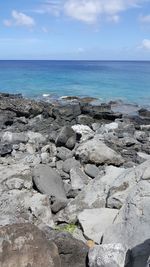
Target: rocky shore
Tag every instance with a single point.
(74, 183)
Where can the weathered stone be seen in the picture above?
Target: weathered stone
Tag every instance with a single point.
(84, 131)
(85, 120)
(65, 134)
(131, 226)
(91, 170)
(78, 178)
(72, 252)
(64, 153)
(70, 164)
(36, 138)
(67, 112)
(5, 149)
(110, 255)
(139, 255)
(94, 195)
(58, 205)
(25, 245)
(97, 152)
(14, 138)
(94, 222)
(48, 181)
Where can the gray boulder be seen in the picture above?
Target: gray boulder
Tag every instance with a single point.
(64, 153)
(95, 151)
(110, 255)
(48, 181)
(94, 222)
(91, 170)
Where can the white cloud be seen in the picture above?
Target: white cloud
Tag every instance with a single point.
(90, 10)
(7, 22)
(145, 44)
(19, 19)
(114, 18)
(145, 19)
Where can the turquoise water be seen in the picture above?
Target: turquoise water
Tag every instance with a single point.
(107, 80)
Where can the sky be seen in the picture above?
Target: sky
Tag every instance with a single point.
(75, 29)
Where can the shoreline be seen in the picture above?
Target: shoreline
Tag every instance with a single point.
(74, 176)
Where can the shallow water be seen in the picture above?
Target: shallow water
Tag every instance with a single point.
(107, 80)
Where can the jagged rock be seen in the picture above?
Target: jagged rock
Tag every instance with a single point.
(48, 181)
(93, 195)
(97, 152)
(84, 131)
(5, 149)
(67, 112)
(19, 203)
(110, 255)
(22, 107)
(91, 170)
(94, 222)
(131, 226)
(78, 178)
(85, 120)
(26, 245)
(122, 185)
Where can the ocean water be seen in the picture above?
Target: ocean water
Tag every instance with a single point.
(107, 80)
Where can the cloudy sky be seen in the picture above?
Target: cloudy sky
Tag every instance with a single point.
(75, 29)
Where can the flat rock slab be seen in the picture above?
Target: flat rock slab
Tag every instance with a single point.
(25, 245)
(48, 181)
(95, 221)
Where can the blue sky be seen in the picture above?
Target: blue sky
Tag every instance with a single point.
(75, 29)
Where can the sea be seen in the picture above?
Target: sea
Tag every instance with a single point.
(128, 81)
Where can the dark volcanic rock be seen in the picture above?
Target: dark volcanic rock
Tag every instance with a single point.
(73, 253)
(102, 111)
(5, 149)
(22, 107)
(25, 245)
(66, 137)
(144, 113)
(139, 255)
(67, 112)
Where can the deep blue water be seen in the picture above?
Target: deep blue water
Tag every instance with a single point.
(108, 80)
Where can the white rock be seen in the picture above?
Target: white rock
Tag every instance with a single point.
(36, 138)
(110, 255)
(94, 222)
(84, 130)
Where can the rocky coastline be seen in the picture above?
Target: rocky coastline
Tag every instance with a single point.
(74, 183)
